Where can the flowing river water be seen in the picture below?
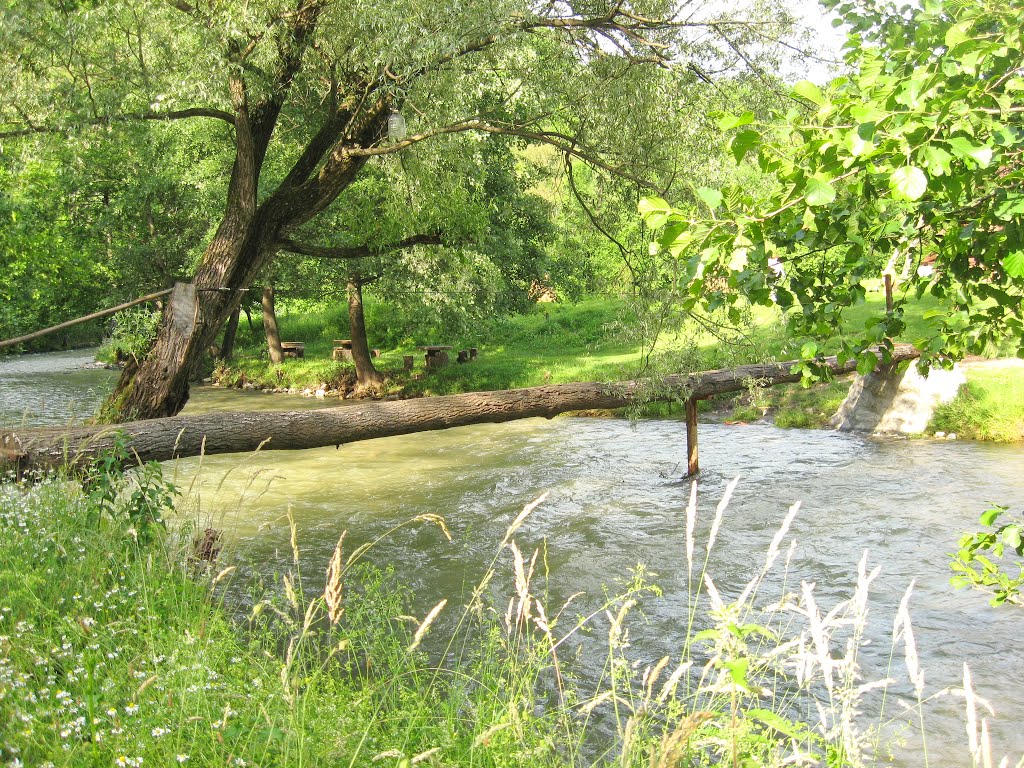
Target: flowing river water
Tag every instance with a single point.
(615, 499)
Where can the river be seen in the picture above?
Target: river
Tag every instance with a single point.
(615, 500)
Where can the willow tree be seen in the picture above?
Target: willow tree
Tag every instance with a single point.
(447, 235)
(307, 88)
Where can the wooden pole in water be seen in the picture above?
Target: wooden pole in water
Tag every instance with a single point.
(692, 464)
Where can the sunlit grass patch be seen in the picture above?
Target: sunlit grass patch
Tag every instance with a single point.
(990, 407)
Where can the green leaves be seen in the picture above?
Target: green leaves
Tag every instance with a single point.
(908, 183)
(712, 197)
(958, 33)
(818, 191)
(866, 363)
(728, 122)
(655, 211)
(989, 516)
(743, 142)
(1010, 206)
(807, 90)
(965, 148)
(916, 152)
(974, 568)
(1013, 263)
(935, 159)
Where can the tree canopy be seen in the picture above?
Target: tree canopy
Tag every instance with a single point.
(306, 90)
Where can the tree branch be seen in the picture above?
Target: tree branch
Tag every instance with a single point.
(357, 251)
(564, 143)
(174, 114)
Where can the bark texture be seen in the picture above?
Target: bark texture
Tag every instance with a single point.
(270, 328)
(179, 436)
(367, 376)
(227, 347)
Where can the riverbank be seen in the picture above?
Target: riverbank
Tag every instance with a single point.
(589, 341)
(117, 649)
(149, 658)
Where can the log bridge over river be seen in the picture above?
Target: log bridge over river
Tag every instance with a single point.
(212, 433)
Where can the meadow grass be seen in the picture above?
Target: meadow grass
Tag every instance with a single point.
(117, 648)
(990, 407)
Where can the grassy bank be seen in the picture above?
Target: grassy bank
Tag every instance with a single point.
(591, 340)
(990, 407)
(117, 649)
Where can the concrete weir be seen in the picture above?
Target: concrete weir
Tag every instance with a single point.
(896, 402)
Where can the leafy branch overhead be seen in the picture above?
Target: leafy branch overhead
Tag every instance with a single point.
(909, 166)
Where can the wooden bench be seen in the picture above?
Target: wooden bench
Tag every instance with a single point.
(293, 348)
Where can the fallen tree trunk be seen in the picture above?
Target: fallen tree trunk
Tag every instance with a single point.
(211, 433)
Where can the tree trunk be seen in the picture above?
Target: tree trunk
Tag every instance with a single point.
(367, 376)
(246, 241)
(270, 326)
(227, 347)
(196, 312)
(213, 433)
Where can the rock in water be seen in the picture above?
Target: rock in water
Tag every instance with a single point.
(898, 402)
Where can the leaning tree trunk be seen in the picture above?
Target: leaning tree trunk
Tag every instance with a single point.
(245, 241)
(270, 326)
(248, 236)
(367, 376)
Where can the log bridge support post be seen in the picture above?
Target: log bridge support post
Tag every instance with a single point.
(692, 462)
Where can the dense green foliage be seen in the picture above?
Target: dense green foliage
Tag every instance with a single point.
(910, 166)
(91, 221)
(154, 105)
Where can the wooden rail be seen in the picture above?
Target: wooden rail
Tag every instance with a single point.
(94, 316)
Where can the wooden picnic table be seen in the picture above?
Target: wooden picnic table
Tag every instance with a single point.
(293, 348)
(342, 349)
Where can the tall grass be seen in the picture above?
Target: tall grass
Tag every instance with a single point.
(118, 652)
